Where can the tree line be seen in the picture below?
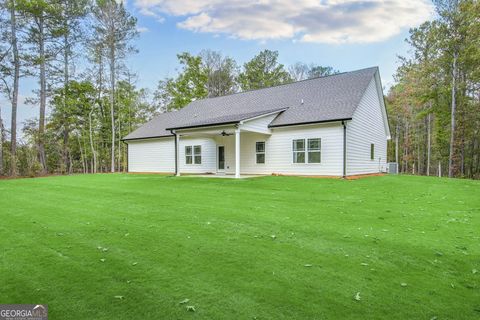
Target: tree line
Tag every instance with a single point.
(77, 51)
(434, 107)
(42, 39)
(87, 96)
(211, 74)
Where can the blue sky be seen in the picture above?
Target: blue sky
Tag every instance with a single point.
(344, 34)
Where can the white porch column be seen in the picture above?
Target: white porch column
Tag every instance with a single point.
(237, 153)
(177, 155)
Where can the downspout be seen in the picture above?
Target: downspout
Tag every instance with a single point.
(344, 149)
(176, 151)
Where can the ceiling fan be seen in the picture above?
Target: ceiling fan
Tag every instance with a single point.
(225, 134)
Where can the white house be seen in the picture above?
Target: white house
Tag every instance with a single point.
(329, 126)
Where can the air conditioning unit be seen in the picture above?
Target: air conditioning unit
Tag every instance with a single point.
(392, 168)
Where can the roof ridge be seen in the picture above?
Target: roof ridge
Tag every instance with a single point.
(285, 84)
(327, 97)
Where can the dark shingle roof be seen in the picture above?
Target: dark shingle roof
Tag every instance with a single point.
(324, 99)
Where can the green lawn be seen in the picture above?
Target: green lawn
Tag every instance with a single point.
(135, 246)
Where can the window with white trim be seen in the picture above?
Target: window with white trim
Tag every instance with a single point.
(307, 150)
(260, 152)
(314, 150)
(193, 154)
(188, 155)
(299, 151)
(197, 154)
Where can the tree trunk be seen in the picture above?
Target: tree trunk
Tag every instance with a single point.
(472, 159)
(119, 168)
(43, 97)
(454, 105)
(16, 77)
(397, 133)
(100, 94)
(406, 148)
(419, 154)
(85, 151)
(474, 155)
(477, 158)
(94, 165)
(66, 79)
(1, 143)
(429, 143)
(112, 101)
(82, 158)
(462, 144)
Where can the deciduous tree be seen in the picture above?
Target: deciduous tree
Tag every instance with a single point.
(263, 71)
(115, 28)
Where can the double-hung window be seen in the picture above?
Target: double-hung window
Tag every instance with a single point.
(197, 154)
(314, 147)
(299, 151)
(260, 152)
(188, 155)
(193, 154)
(307, 150)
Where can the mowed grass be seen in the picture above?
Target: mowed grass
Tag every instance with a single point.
(134, 246)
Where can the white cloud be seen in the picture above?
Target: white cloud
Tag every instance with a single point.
(322, 21)
(142, 29)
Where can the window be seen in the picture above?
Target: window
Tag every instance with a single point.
(299, 151)
(193, 154)
(372, 151)
(314, 146)
(197, 153)
(188, 154)
(260, 151)
(309, 153)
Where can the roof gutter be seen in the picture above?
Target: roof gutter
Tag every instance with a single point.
(308, 122)
(145, 138)
(203, 125)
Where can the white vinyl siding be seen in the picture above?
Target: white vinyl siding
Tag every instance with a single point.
(204, 155)
(278, 150)
(366, 128)
(331, 135)
(322, 146)
(152, 155)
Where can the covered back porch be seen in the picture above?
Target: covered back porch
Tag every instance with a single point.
(231, 150)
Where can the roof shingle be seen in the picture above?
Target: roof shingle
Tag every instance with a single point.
(320, 99)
